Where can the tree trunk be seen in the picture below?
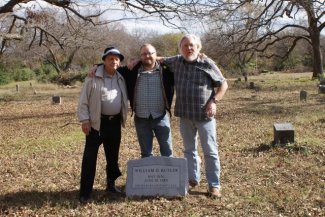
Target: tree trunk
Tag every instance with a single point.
(52, 60)
(317, 54)
(314, 32)
(70, 58)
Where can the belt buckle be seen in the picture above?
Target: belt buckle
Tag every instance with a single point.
(110, 117)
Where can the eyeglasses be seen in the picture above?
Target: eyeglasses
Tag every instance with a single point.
(149, 53)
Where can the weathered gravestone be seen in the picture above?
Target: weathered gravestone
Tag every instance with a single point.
(152, 176)
(321, 88)
(251, 85)
(283, 133)
(56, 100)
(245, 76)
(303, 95)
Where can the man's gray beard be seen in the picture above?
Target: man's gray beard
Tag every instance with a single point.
(190, 58)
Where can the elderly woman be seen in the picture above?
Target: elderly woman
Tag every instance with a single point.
(102, 110)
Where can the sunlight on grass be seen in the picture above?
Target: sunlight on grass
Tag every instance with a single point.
(311, 117)
(33, 90)
(284, 80)
(312, 141)
(53, 142)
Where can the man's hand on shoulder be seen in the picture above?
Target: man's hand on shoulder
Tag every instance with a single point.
(203, 56)
(92, 71)
(132, 63)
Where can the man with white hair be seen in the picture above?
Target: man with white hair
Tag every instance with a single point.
(199, 86)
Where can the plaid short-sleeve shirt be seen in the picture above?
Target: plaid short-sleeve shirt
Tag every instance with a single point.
(194, 84)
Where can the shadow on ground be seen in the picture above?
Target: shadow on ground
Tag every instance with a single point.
(37, 199)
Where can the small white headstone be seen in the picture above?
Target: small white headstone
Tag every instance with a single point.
(152, 176)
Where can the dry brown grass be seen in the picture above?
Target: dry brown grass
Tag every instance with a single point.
(40, 157)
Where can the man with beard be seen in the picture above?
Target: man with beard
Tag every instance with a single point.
(150, 88)
(199, 86)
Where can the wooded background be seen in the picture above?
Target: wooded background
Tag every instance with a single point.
(59, 40)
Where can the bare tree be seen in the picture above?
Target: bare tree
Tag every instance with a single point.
(19, 16)
(250, 25)
(259, 24)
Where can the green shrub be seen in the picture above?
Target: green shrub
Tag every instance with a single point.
(45, 73)
(13, 71)
(5, 75)
(4, 78)
(23, 74)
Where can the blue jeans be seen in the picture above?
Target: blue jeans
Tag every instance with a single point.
(146, 129)
(208, 138)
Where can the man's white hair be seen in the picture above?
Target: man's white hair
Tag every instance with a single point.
(196, 39)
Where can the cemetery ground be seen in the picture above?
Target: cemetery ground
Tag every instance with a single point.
(42, 144)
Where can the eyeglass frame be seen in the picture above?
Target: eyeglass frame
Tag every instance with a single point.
(148, 53)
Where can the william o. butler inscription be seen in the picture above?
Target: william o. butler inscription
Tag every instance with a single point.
(157, 176)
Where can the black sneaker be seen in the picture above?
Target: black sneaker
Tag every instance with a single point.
(83, 200)
(193, 183)
(113, 189)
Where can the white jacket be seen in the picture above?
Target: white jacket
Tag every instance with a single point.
(89, 108)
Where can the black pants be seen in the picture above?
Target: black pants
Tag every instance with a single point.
(110, 136)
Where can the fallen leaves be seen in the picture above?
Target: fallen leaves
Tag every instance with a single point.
(40, 162)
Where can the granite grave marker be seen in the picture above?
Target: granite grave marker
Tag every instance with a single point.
(321, 88)
(283, 133)
(153, 176)
(303, 95)
(56, 100)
